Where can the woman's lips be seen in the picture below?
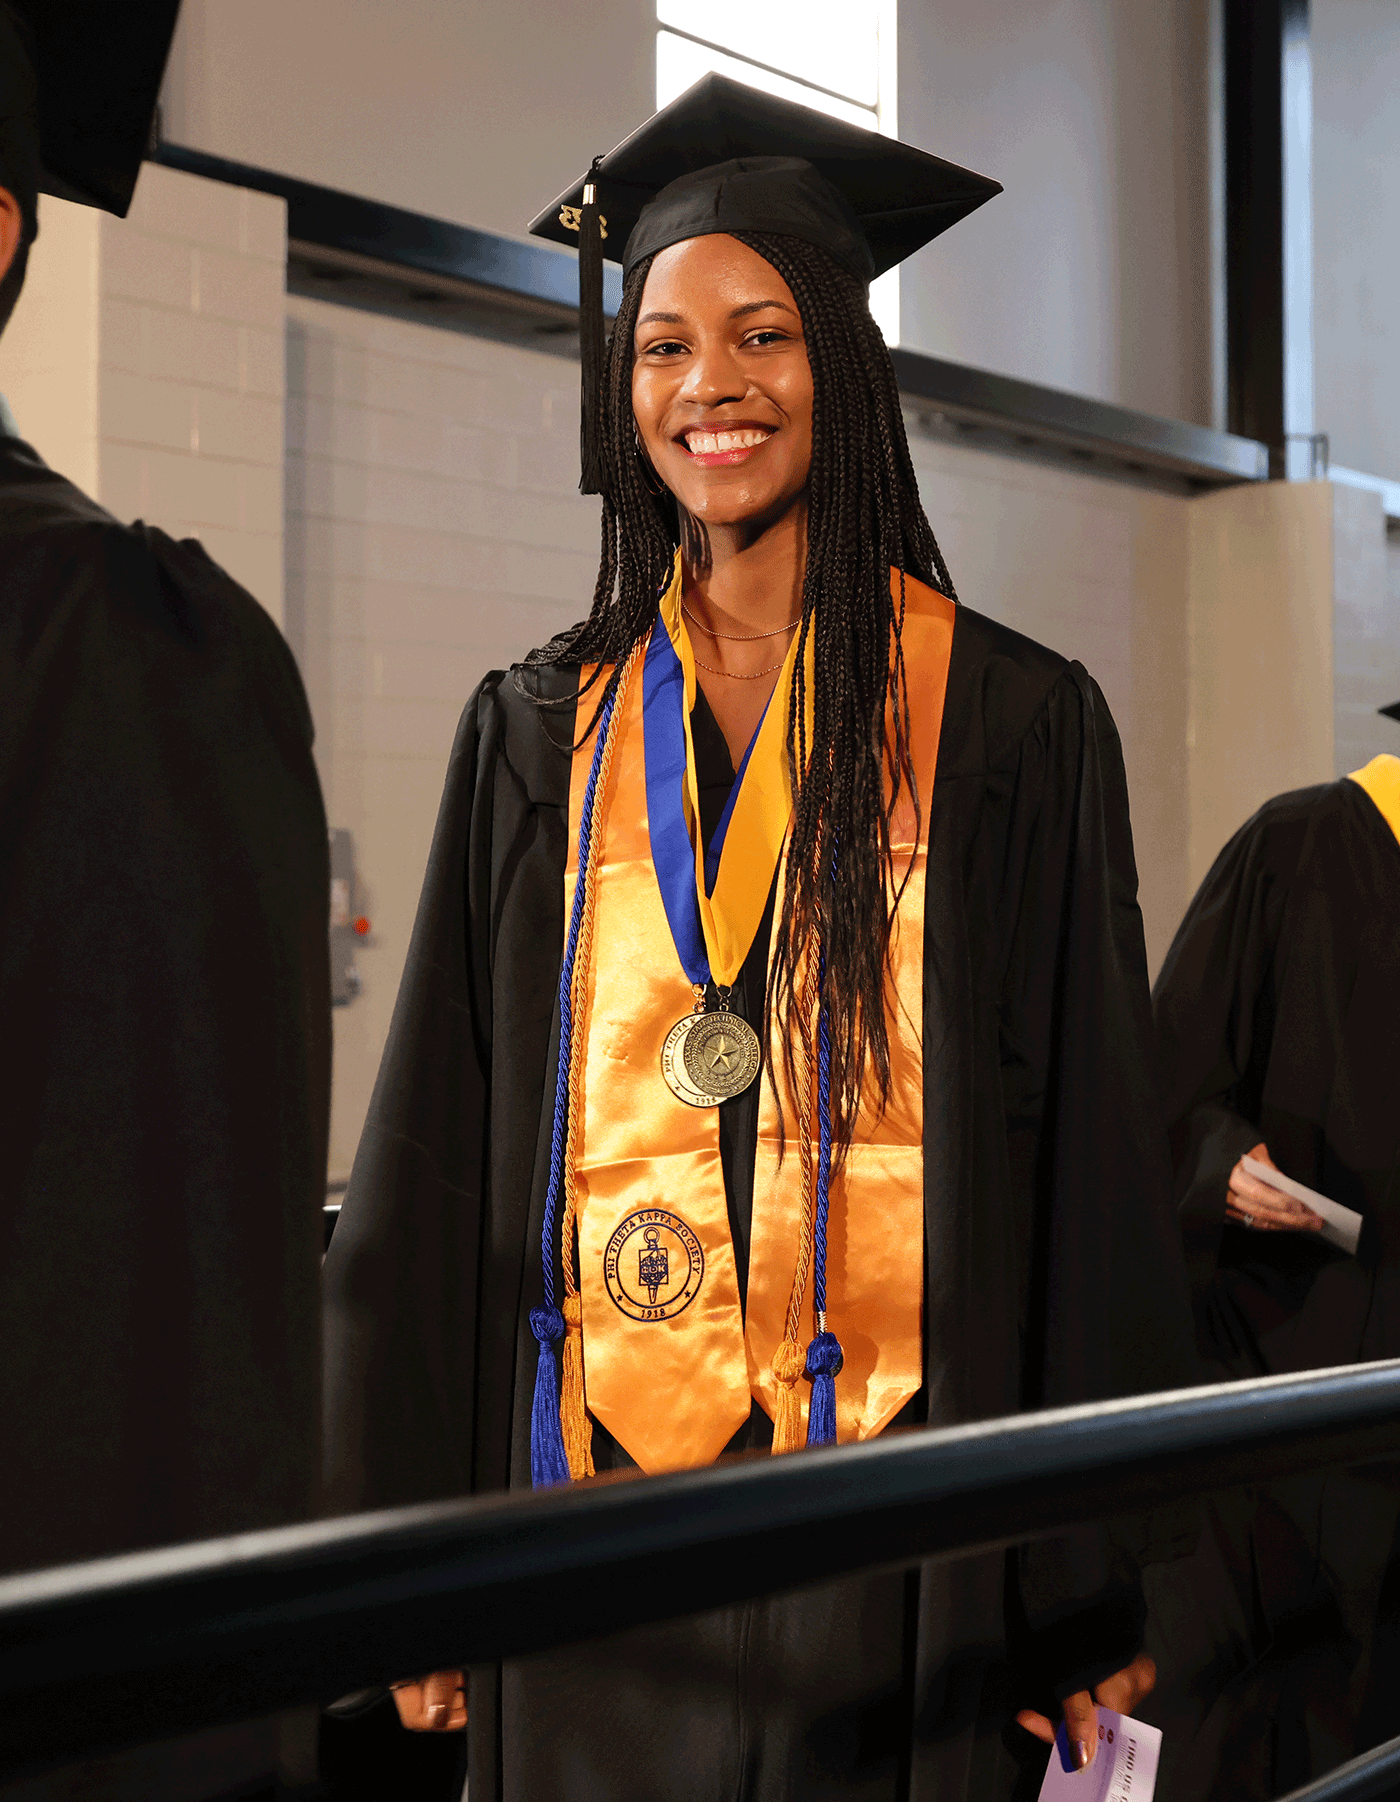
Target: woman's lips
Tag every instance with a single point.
(716, 450)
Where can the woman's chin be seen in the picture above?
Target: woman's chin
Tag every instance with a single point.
(718, 509)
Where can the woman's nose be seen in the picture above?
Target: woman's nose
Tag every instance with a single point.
(714, 377)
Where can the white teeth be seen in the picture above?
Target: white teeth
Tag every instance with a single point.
(707, 444)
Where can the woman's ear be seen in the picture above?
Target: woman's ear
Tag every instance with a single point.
(14, 254)
(11, 231)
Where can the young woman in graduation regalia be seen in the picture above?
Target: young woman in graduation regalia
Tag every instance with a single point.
(733, 1110)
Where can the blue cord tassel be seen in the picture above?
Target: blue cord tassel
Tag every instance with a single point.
(824, 1361)
(824, 1354)
(548, 1464)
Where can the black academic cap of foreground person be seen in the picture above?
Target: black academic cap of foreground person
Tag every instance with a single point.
(1392, 712)
(79, 81)
(726, 158)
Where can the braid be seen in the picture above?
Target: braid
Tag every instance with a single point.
(640, 522)
(864, 519)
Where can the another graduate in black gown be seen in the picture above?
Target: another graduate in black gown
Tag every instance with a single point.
(1278, 1021)
(163, 974)
(1042, 1242)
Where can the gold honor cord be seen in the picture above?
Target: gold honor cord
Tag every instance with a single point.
(573, 1409)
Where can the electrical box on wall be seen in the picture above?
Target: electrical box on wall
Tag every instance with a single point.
(349, 927)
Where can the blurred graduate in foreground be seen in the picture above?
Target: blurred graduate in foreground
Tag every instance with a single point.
(771, 1065)
(163, 975)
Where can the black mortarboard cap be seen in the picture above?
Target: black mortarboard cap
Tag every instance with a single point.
(1392, 712)
(726, 158)
(97, 66)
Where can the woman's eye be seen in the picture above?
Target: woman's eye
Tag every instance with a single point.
(759, 340)
(664, 347)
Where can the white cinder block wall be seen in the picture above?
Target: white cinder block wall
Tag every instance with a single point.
(145, 361)
(193, 384)
(1095, 567)
(434, 532)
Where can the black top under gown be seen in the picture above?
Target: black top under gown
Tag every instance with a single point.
(1052, 1272)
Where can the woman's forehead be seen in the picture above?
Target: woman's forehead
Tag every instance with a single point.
(710, 275)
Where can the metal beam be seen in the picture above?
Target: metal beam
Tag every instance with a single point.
(1025, 410)
(1268, 226)
(342, 247)
(161, 1642)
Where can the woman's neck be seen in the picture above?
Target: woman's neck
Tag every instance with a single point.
(754, 579)
(741, 608)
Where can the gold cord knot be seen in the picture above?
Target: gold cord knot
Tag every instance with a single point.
(789, 1361)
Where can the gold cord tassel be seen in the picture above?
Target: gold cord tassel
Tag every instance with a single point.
(789, 1362)
(573, 1410)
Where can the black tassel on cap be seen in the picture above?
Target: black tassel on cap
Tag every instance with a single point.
(592, 227)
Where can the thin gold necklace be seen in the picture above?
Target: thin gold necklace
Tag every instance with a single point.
(734, 675)
(736, 637)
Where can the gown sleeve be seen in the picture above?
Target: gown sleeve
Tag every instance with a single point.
(1212, 1006)
(1105, 1311)
(402, 1272)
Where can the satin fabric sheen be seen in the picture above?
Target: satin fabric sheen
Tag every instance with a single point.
(1380, 779)
(673, 1391)
(874, 1265)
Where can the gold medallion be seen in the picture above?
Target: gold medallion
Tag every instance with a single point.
(709, 1057)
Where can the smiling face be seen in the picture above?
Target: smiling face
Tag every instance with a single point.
(721, 385)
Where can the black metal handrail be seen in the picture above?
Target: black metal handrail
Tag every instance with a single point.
(160, 1642)
(1375, 1774)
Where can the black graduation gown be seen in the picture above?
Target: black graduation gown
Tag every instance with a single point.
(164, 994)
(1052, 1275)
(1278, 1019)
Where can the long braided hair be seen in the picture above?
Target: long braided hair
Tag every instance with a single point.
(864, 518)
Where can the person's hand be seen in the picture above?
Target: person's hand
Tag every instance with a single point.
(436, 1704)
(1121, 1692)
(1253, 1203)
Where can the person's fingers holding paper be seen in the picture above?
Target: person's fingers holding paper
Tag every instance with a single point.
(1081, 1727)
(1125, 1689)
(1253, 1202)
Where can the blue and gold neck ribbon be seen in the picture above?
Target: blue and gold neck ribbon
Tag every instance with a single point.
(714, 896)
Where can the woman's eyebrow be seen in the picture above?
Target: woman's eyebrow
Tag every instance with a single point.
(757, 306)
(661, 319)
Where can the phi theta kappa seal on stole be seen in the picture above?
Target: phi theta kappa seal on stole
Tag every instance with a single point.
(653, 1265)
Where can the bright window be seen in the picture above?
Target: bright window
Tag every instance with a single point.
(835, 55)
